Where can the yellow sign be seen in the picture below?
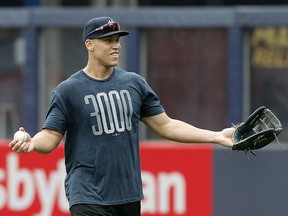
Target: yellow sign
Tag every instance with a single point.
(270, 47)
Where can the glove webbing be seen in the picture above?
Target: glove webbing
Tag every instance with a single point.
(248, 150)
(269, 120)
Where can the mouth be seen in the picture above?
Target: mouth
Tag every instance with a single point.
(115, 54)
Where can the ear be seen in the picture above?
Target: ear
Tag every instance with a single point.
(89, 45)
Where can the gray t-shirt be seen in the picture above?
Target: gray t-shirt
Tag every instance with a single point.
(100, 119)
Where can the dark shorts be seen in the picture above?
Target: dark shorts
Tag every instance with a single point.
(129, 209)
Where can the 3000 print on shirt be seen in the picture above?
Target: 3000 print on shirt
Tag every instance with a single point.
(109, 103)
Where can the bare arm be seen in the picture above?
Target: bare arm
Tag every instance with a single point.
(180, 131)
(43, 142)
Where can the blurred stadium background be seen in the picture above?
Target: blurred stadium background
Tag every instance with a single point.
(211, 63)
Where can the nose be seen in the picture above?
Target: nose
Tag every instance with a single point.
(116, 45)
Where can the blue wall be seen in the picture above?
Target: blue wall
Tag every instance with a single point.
(251, 186)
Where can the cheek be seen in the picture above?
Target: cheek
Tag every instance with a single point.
(97, 54)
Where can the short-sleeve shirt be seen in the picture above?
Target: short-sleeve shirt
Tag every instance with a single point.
(100, 119)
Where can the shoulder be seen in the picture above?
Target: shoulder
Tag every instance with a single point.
(71, 82)
(129, 75)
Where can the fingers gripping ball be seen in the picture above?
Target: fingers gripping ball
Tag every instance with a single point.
(21, 136)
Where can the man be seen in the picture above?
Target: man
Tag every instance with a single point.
(99, 109)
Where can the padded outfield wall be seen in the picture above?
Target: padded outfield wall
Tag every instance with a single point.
(178, 179)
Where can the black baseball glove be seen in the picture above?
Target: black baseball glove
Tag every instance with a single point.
(257, 131)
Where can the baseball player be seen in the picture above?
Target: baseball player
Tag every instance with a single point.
(99, 109)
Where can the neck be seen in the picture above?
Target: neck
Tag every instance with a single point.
(100, 73)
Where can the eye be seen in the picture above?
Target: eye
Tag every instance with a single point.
(109, 40)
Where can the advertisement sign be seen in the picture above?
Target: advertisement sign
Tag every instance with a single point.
(177, 180)
(32, 184)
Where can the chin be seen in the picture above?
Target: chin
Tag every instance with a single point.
(114, 64)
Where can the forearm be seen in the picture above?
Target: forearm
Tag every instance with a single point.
(46, 141)
(180, 131)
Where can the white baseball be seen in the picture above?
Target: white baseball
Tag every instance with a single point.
(20, 136)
